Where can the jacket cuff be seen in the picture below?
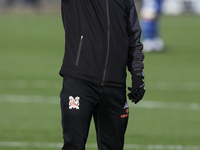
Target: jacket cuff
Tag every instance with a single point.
(138, 73)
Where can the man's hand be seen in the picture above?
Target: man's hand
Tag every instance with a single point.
(137, 90)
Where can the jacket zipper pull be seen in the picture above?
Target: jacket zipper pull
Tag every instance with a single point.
(79, 50)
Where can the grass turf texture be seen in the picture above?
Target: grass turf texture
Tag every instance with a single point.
(31, 51)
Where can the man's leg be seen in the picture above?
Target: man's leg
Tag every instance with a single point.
(111, 119)
(77, 103)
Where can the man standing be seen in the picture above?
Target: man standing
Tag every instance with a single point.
(102, 38)
(150, 18)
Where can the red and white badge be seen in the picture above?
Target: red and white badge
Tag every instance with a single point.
(74, 102)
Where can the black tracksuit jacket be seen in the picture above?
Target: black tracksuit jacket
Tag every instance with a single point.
(102, 38)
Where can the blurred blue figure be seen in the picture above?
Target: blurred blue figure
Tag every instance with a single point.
(150, 12)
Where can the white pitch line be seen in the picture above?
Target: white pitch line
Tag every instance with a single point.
(36, 84)
(173, 86)
(148, 104)
(94, 145)
(57, 84)
(167, 105)
(30, 144)
(161, 147)
(29, 99)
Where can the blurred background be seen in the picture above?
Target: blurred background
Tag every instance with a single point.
(170, 7)
(31, 51)
(29, 6)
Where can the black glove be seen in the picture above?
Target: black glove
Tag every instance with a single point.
(137, 90)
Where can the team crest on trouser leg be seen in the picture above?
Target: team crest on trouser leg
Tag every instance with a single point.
(74, 102)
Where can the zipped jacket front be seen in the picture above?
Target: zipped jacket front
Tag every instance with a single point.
(102, 39)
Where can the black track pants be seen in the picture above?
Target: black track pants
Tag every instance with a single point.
(82, 100)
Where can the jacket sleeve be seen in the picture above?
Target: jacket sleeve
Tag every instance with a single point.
(135, 54)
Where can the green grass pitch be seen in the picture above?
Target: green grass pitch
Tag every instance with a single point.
(31, 51)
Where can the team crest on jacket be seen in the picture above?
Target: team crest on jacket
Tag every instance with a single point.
(74, 102)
